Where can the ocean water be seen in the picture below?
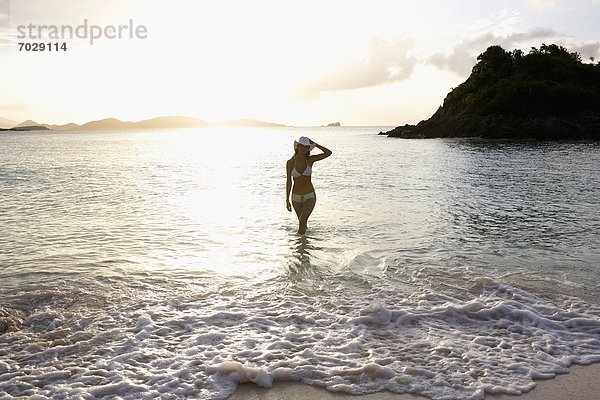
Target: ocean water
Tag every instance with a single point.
(163, 263)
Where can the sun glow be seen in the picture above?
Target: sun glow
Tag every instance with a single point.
(212, 60)
(300, 63)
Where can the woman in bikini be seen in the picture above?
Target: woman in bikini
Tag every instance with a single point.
(299, 167)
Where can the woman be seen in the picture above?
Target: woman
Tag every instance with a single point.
(299, 167)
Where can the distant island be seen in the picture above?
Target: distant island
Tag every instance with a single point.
(26, 128)
(547, 94)
(333, 124)
(163, 122)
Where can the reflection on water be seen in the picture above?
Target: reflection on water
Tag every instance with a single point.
(298, 264)
(308, 267)
(173, 251)
(117, 204)
(302, 249)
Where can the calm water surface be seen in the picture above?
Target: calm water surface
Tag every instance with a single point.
(164, 263)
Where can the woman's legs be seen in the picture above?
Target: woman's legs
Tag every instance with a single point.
(298, 208)
(308, 208)
(303, 211)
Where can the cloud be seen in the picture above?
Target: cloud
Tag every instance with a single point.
(541, 4)
(384, 62)
(464, 55)
(4, 9)
(5, 38)
(13, 107)
(586, 49)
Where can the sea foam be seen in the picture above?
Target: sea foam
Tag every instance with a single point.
(498, 339)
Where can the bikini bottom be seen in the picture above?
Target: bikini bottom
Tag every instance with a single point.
(301, 198)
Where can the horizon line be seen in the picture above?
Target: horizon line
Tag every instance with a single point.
(211, 123)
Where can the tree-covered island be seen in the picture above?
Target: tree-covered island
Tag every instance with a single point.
(547, 94)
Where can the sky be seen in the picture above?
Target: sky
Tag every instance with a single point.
(377, 62)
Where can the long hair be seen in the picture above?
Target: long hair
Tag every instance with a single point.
(296, 153)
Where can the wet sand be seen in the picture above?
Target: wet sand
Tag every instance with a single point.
(581, 383)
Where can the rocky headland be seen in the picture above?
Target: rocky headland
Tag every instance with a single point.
(548, 94)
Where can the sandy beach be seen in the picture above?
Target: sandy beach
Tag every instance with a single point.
(581, 383)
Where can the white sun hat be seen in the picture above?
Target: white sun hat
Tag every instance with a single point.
(304, 141)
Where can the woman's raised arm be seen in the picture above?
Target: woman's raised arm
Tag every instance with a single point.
(326, 153)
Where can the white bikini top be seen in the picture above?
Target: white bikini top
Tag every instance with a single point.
(307, 171)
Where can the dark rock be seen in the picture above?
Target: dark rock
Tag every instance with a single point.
(585, 126)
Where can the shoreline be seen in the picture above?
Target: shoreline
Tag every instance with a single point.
(581, 383)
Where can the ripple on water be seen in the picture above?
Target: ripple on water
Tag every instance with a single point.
(134, 265)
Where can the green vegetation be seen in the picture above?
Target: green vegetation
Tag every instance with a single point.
(549, 81)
